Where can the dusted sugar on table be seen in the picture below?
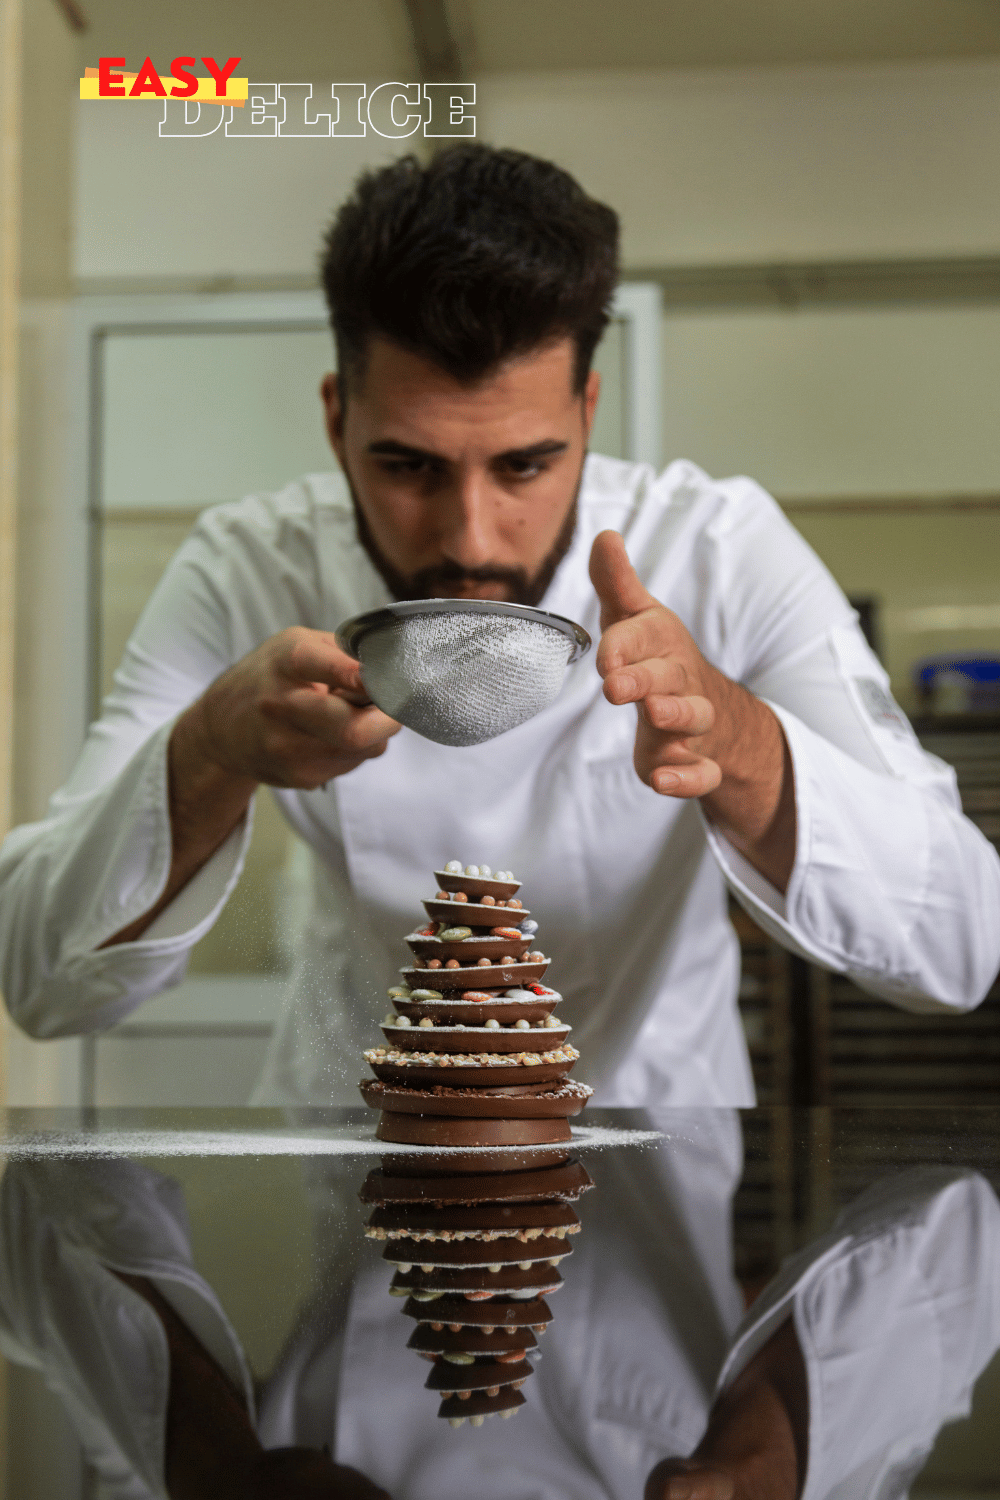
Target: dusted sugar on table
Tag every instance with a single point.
(474, 1052)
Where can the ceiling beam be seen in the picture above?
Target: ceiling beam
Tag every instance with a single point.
(74, 15)
(434, 42)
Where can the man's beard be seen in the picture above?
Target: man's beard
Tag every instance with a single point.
(427, 583)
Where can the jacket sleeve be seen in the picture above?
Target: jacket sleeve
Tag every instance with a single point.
(101, 856)
(897, 1313)
(98, 1345)
(891, 884)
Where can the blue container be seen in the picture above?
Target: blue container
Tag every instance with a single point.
(967, 684)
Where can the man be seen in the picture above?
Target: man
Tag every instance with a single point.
(466, 300)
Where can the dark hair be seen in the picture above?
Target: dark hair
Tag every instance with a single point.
(478, 256)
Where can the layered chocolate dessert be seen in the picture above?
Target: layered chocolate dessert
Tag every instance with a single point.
(476, 1256)
(475, 1054)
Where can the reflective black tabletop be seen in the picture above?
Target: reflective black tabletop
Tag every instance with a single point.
(212, 1303)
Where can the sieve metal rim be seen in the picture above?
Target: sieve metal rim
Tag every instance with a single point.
(349, 634)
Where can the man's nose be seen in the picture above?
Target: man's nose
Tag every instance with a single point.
(468, 521)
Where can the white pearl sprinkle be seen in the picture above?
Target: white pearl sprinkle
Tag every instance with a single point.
(453, 867)
(485, 871)
(472, 870)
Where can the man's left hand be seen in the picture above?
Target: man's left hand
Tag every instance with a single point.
(647, 657)
(699, 734)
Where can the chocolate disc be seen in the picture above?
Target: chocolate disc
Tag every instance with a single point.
(498, 1312)
(479, 1283)
(475, 977)
(456, 1161)
(536, 1102)
(446, 1376)
(476, 885)
(474, 1012)
(562, 1184)
(505, 1252)
(497, 1075)
(470, 914)
(438, 1130)
(406, 1223)
(465, 949)
(419, 1101)
(439, 1091)
(429, 1340)
(463, 1039)
(479, 1404)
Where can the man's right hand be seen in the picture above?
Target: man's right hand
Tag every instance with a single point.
(294, 713)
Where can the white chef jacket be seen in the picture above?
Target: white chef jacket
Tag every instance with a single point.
(897, 1312)
(891, 884)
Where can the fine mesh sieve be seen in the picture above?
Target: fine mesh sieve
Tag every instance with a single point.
(461, 671)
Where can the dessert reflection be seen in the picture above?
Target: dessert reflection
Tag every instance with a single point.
(476, 1254)
(631, 1364)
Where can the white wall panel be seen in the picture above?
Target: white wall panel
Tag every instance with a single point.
(852, 401)
(196, 417)
(214, 1070)
(780, 163)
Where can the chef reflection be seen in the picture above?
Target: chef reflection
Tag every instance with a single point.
(833, 1385)
(732, 730)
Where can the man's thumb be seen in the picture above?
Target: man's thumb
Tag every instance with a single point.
(618, 585)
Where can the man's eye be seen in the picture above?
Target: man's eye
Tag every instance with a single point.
(525, 468)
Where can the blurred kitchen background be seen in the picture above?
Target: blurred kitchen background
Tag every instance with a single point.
(810, 200)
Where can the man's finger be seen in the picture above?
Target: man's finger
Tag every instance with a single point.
(655, 631)
(314, 656)
(618, 585)
(335, 722)
(673, 777)
(660, 674)
(673, 715)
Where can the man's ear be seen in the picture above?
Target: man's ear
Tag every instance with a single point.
(333, 408)
(591, 391)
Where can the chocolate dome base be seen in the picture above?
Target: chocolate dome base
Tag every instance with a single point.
(441, 1130)
(534, 1102)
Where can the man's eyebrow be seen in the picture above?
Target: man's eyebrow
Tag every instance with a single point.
(536, 450)
(387, 448)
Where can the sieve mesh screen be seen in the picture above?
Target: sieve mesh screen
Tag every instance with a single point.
(460, 679)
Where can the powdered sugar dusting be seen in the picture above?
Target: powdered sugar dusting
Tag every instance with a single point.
(345, 1140)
